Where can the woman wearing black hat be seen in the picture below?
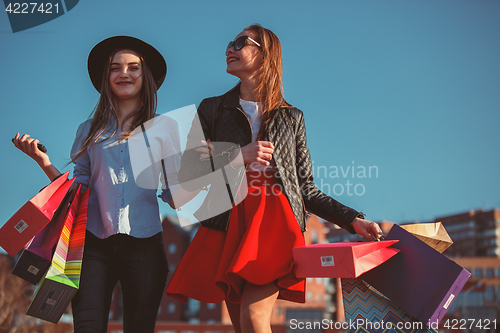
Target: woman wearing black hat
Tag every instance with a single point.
(124, 233)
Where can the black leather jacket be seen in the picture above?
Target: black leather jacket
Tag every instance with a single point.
(293, 162)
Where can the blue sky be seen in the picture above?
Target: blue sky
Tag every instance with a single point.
(408, 88)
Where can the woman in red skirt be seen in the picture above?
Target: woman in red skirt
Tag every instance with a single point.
(243, 254)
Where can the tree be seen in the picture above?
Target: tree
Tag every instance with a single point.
(15, 298)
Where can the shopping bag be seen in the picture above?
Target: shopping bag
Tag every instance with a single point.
(419, 279)
(36, 257)
(432, 234)
(367, 310)
(33, 215)
(61, 281)
(341, 259)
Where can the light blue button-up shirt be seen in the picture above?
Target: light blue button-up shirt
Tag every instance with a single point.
(116, 203)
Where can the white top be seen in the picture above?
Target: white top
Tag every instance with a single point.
(253, 112)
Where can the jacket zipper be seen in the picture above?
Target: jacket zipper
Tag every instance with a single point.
(246, 166)
(248, 121)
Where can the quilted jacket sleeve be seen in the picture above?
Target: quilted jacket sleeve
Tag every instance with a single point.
(315, 200)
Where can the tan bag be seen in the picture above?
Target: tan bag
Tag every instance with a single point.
(432, 234)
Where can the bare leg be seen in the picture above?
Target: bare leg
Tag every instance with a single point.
(257, 303)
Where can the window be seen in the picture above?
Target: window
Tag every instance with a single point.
(319, 280)
(310, 296)
(478, 272)
(171, 308)
(498, 293)
(193, 306)
(314, 236)
(210, 306)
(172, 248)
(319, 298)
(489, 294)
(488, 272)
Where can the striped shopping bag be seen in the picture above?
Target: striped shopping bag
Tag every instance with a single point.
(58, 286)
(368, 311)
(36, 257)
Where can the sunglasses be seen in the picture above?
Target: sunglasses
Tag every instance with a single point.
(239, 43)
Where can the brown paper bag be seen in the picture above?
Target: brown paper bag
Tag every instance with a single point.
(432, 234)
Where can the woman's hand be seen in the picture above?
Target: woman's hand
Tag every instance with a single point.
(368, 229)
(30, 148)
(205, 151)
(260, 152)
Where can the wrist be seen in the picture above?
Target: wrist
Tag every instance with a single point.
(360, 216)
(236, 157)
(44, 163)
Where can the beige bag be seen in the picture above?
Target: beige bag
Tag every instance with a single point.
(432, 234)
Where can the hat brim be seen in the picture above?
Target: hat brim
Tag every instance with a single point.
(99, 55)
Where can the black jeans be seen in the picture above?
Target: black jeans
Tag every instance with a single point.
(140, 264)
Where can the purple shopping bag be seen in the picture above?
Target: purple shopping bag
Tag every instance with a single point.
(419, 279)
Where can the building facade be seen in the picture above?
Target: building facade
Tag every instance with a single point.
(475, 233)
(480, 298)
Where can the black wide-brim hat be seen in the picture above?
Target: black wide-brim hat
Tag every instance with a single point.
(101, 52)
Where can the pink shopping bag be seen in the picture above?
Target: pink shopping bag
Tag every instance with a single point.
(33, 216)
(342, 260)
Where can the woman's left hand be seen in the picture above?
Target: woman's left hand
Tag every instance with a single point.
(368, 229)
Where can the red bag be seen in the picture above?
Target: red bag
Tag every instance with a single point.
(36, 257)
(342, 260)
(33, 215)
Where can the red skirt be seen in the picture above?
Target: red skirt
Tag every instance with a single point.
(257, 248)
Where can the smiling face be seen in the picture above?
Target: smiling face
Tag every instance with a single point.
(125, 75)
(246, 62)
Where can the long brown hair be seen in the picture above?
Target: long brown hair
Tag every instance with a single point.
(105, 113)
(270, 90)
